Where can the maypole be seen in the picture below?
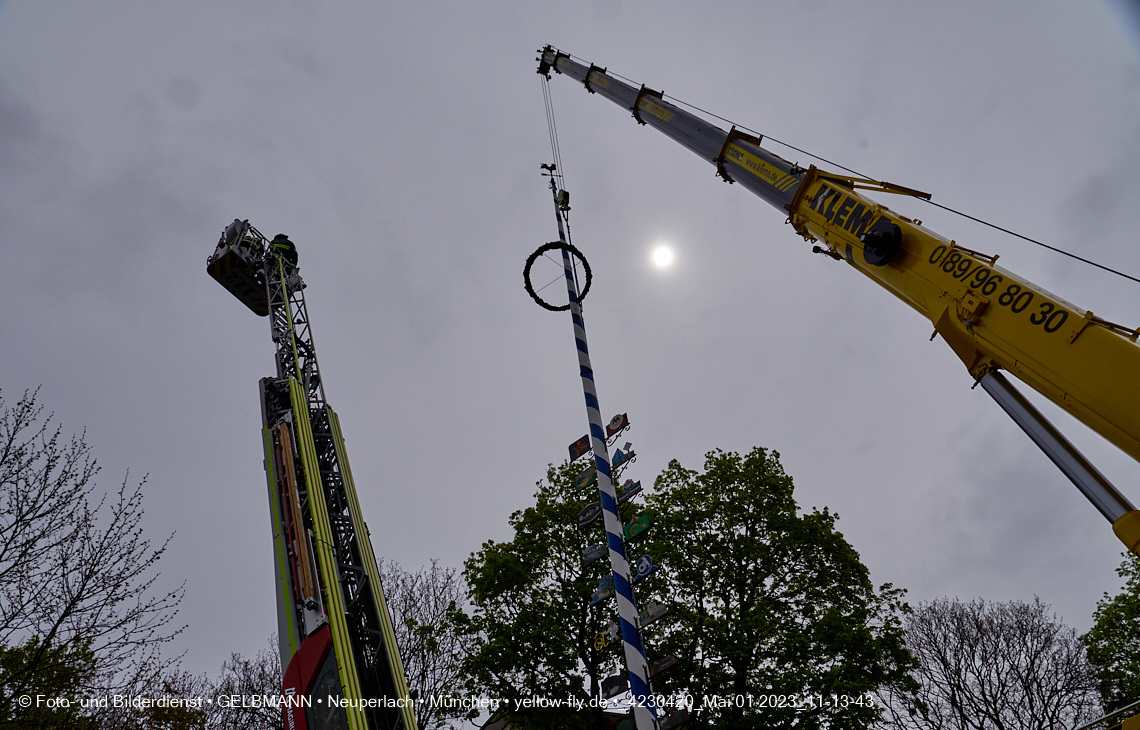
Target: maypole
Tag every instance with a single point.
(635, 661)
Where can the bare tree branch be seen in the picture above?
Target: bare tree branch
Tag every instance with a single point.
(425, 606)
(77, 576)
(256, 677)
(995, 666)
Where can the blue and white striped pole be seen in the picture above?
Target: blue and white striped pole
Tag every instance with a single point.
(636, 665)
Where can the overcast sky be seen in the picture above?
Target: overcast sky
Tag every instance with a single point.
(399, 146)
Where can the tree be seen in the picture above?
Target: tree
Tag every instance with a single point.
(764, 601)
(182, 699)
(254, 678)
(77, 576)
(260, 676)
(761, 601)
(426, 611)
(1114, 641)
(167, 711)
(995, 665)
(64, 670)
(532, 621)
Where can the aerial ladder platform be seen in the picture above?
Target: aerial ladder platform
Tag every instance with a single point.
(993, 319)
(335, 632)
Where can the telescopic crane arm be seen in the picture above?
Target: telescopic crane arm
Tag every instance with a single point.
(992, 319)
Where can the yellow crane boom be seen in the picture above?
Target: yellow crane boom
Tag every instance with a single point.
(992, 319)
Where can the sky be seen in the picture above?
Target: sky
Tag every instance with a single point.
(399, 144)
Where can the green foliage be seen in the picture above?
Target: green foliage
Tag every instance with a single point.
(532, 621)
(178, 716)
(762, 600)
(39, 672)
(1114, 641)
(765, 601)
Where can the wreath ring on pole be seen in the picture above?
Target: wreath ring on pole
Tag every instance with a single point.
(555, 245)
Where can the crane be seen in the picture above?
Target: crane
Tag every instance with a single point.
(336, 638)
(992, 319)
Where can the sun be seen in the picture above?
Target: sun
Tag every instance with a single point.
(662, 256)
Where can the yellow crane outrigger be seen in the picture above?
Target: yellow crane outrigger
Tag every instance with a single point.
(992, 319)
